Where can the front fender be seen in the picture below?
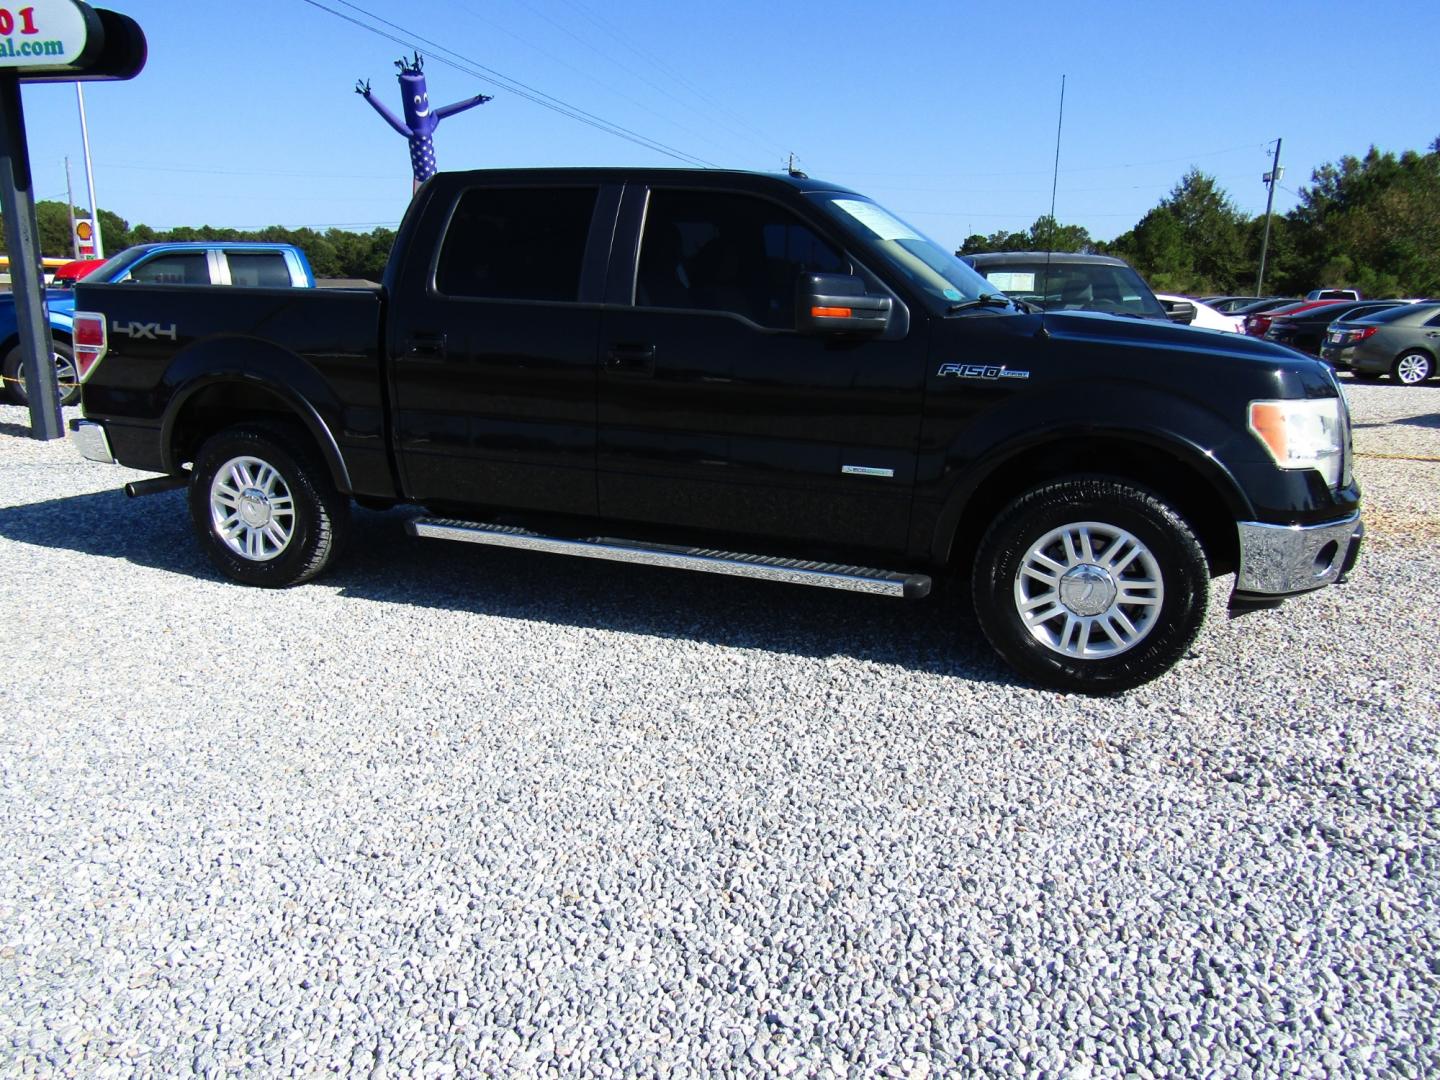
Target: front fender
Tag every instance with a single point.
(1150, 420)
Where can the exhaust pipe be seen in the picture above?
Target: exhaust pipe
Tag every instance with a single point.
(156, 485)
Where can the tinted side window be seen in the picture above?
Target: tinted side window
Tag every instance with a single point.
(258, 269)
(715, 252)
(1434, 320)
(183, 268)
(516, 244)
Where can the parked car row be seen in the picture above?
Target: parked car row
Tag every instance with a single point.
(1401, 341)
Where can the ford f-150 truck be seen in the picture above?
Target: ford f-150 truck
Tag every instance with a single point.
(249, 263)
(767, 376)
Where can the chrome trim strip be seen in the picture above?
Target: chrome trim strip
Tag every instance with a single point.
(1282, 559)
(92, 442)
(865, 470)
(794, 571)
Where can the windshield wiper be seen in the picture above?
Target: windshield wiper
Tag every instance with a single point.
(988, 300)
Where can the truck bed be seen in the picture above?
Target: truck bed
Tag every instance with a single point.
(172, 343)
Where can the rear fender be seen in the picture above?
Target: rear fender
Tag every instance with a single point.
(257, 371)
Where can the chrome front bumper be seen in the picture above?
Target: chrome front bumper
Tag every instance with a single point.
(1280, 560)
(91, 441)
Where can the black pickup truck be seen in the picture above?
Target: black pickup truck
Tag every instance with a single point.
(767, 376)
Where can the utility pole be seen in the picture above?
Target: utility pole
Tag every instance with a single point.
(1272, 178)
(89, 174)
(70, 210)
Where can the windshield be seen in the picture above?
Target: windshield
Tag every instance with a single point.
(1072, 286)
(107, 270)
(927, 265)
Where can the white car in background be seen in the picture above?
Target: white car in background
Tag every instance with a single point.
(1206, 317)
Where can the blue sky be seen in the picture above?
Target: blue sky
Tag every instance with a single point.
(245, 114)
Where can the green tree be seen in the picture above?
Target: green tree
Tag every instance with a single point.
(53, 222)
(1046, 234)
(1372, 223)
(1192, 242)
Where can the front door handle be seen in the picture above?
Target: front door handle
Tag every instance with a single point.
(631, 359)
(426, 347)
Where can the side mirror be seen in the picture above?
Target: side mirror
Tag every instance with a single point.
(1180, 311)
(838, 303)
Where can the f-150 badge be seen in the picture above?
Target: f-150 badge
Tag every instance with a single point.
(980, 371)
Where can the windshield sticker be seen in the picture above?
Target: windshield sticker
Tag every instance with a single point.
(1012, 280)
(953, 294)
(880, 222)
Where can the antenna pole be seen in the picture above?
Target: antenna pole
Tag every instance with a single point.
(1271, 178)
(1054, 186)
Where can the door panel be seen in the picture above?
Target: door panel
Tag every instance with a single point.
(495, 353)
(740, 427)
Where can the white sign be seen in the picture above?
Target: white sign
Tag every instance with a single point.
(882, 223)
(1012, 280)
(43, 33)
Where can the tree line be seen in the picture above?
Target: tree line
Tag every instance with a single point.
(1369, 223)
(333, 253)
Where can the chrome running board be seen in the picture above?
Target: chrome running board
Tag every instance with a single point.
(768, 568)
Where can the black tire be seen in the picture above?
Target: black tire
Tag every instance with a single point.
(263, 466)
(65, 374)
(1412, 367)
(1045, 651)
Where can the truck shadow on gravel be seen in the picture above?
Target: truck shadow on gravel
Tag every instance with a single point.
(384, 564)
(1424, 420)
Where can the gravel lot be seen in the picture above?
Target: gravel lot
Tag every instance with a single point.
(453, 810)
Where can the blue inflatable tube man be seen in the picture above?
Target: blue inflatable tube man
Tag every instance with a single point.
(420, 121)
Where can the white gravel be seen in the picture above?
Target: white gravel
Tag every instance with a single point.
(455, 811)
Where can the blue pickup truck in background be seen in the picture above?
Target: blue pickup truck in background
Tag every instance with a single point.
(245, 265)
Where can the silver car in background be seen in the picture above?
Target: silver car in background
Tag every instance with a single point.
(1402, 342)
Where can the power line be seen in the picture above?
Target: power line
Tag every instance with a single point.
(590, 74)
(240, 172)
(659, 65)
(1066, 171)
(479, 71)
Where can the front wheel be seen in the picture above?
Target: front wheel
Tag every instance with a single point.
(66, 375)
(264, 506)
(1412, 368)
(1090, 584)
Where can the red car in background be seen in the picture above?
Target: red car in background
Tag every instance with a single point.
(67, 274)
(1256, 325)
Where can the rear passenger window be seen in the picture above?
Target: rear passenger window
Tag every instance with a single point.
(525, 244)
(183, 268)
(258, 269)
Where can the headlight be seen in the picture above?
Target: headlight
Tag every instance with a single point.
(1302, 433)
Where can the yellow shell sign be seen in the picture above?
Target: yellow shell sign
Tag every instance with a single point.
(43, 33)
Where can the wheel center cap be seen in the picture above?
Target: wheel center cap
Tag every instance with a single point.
(254, 508)
(1087, 589)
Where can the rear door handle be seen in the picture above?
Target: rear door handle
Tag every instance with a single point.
(426, 347)
(631, 359)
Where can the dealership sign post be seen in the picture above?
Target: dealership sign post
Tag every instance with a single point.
(47, 41)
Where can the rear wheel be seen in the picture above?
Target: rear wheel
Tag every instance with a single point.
(66, 375)
(264, 506)
(1090, 584)
(1412, 367)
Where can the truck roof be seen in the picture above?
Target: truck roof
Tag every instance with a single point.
(710, 177)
